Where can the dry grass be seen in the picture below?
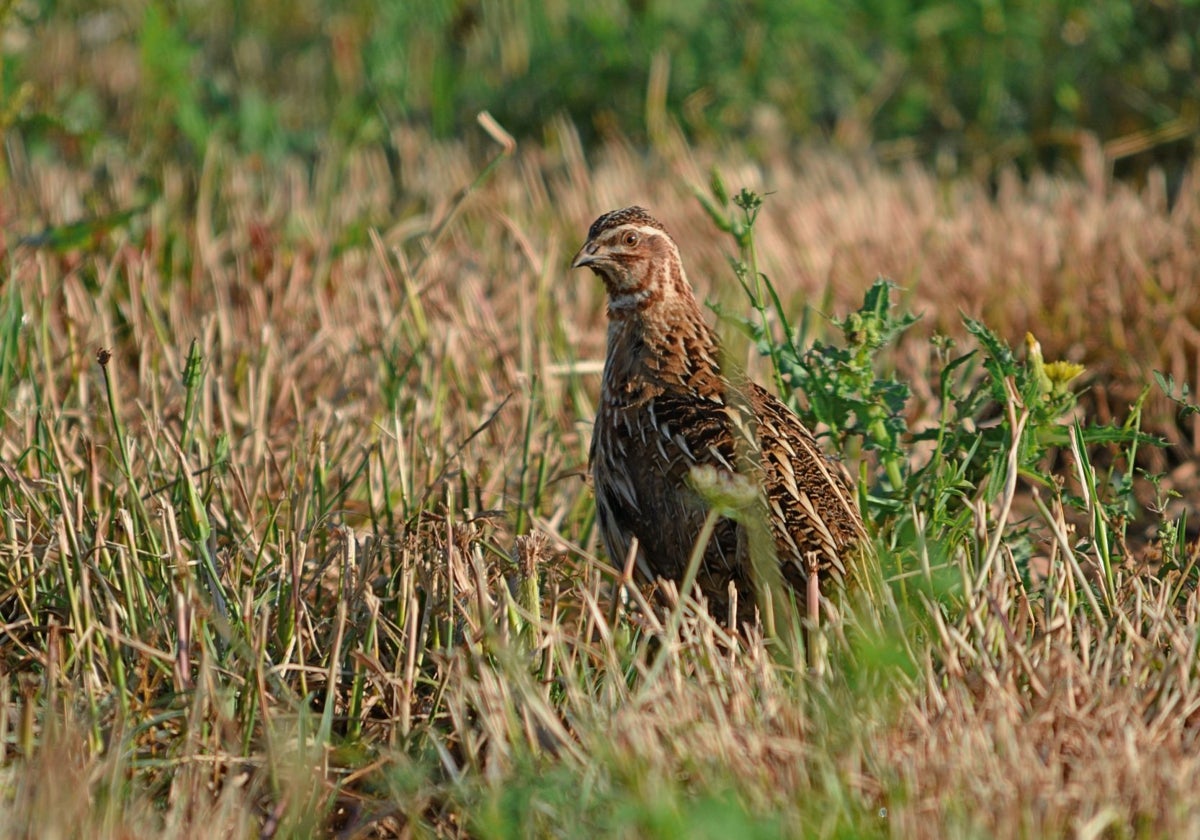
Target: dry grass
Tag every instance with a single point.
(298, 602)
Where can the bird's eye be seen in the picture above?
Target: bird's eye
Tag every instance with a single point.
(630, 238)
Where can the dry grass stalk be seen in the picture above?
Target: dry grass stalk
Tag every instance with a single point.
(386, 383)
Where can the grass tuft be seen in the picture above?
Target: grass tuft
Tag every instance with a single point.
(307, 550)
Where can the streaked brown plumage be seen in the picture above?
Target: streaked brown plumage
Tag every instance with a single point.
(666, 407)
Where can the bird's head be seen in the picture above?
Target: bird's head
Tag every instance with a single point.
(636, 258)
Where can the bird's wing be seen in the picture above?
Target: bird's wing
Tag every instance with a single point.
(810, 496)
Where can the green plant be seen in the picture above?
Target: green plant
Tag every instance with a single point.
(965, 87)
(999, 415)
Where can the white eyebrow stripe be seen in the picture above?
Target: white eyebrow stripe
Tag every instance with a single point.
(645, 230)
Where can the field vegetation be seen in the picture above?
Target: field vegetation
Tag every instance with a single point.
(297, 538)
(962, 87)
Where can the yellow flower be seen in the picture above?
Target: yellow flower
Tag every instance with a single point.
(1060, 373)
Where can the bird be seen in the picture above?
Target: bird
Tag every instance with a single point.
(673, 416)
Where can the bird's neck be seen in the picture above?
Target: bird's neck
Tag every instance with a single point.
(664, 347)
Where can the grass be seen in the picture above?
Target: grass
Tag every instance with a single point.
(297, 541)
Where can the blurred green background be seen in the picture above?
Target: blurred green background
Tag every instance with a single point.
(967, 86)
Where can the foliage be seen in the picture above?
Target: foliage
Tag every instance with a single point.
(999, 416)
(973, 85)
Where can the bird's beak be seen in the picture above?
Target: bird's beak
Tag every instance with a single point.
(586, 255)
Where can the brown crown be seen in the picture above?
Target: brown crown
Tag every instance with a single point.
(625, 216)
